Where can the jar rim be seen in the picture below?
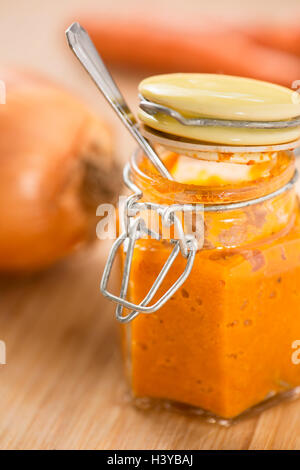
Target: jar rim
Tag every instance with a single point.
(207, 195)
(193, 146)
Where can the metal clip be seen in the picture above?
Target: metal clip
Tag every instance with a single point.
(134, 228)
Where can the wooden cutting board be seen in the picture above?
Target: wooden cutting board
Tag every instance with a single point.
(63, 384)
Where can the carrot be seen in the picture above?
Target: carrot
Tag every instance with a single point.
(284, 36)
(158, 46)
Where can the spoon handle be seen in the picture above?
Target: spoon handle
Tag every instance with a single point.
(84, 49)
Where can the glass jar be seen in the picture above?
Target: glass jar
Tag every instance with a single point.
(223, 343)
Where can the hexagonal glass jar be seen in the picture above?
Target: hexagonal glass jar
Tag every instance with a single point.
(223, 345)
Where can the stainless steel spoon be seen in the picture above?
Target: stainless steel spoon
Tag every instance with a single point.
(84, 49)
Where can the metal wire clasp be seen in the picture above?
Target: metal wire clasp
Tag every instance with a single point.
(134, 228)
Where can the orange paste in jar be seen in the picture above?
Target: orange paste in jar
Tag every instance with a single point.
(223, 342)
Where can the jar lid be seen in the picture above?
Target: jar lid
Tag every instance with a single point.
(222, 97)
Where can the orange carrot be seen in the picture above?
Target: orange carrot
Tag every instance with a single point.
(283, 36)
(157, 46)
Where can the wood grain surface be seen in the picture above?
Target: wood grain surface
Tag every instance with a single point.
(63, 384)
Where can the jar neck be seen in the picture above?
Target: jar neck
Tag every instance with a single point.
(230, 228)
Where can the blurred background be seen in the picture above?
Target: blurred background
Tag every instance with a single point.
(62, 386)
(251, 38)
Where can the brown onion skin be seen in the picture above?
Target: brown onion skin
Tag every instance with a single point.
(57, 165)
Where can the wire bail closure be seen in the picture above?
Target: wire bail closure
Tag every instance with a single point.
(134, 228)
(187, 244)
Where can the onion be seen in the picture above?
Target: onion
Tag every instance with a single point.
(57, 165)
